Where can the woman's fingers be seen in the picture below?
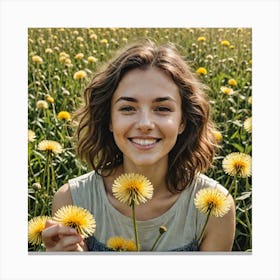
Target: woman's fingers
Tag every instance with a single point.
(57, 237)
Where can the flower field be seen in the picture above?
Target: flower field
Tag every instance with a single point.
(61, 61)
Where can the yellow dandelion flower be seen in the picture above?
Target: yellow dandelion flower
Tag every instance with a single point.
(48, 50)
(212, 200)
(37, 59)
(250, 100)
(42, 104)
(35, 227)
(76, 217)
(64, 115)
(62, 58)
(49, 98)
(31, 135)
(63, 54)
(119, 243)
(104, 41)
(131, 187)
(232, 82)
(248, 125)
(201, 39)
(225, 43)
(80, 75)
(79, 55)
(201, 71)
(227, 90)
(93, 36)
(80, 39)
(238, 164)
(92, 59)
(50, 146)
(218, 135)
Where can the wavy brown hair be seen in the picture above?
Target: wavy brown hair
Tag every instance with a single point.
(195, 147)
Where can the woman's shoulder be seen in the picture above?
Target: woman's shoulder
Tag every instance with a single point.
(203, 181)
(86, 178)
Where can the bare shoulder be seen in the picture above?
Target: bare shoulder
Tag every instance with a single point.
(62, 197)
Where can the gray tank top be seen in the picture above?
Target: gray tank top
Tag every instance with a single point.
(183, 221)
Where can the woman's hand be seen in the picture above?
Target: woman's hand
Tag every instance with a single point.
(57, 237)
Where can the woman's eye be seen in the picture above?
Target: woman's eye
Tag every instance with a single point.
(163, 109)
(127, 109)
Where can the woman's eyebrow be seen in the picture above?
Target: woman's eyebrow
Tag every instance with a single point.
(134, 100)
(126, 98)
(162, 99)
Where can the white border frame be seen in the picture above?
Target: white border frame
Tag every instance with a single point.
(261, 16)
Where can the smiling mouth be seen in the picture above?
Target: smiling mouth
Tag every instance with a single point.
(144, 142)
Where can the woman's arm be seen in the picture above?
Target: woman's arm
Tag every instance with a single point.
(61, 238)
(220, 232)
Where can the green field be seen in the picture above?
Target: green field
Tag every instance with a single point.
(55, 57)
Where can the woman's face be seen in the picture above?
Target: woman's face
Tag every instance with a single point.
(146, 116)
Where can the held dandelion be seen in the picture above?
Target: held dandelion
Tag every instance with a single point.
(76, 217)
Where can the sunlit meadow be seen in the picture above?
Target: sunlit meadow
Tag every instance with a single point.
(62, 60)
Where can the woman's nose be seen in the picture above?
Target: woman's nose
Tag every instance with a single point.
(145, 122)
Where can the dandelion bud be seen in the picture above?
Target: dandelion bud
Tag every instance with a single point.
(36, 186)
(162, 229)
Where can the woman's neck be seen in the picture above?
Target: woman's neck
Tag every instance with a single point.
(156, 174)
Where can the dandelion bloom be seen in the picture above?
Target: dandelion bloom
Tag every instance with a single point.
(48, 50)
(238, 164)
(35, 227)
(212, 200)
(131, 187)
(226, 90)
(64, 115)
(79, 56)
(80, 39)
(49, 99)
(93, 36)
(50, 146)
(201, 71)
(201, 39)
(76, 217)
(119, 243)
(248, 125)
(80, 75)
(31, 135)
(42, 104)
(225, 43)
(104, 41)
(218, 135)
(37, 59)
(92, 59)
(232, 82)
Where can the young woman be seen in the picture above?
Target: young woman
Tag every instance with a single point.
(145, 113)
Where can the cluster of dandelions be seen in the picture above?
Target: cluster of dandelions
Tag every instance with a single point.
(70, 215)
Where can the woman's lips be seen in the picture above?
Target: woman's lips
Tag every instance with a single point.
(144, 142)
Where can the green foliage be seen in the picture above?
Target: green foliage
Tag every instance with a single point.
(54, 77)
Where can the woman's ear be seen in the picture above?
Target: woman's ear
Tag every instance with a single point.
(181, 127)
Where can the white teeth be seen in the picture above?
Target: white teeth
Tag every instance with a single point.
(144, 142)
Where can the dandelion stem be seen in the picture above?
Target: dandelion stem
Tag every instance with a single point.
(204, 227)
(135, 225)
(157, 240)
(48, 171)
(233, 183)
